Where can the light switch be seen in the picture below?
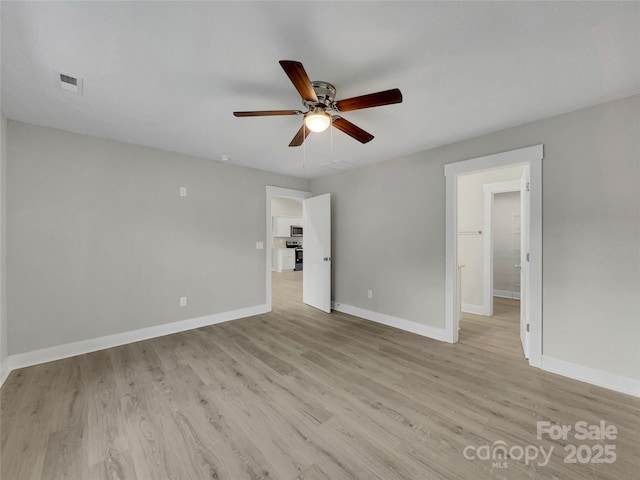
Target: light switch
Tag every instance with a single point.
(183, 191)
(259, 245)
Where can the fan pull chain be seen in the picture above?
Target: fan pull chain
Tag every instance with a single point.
(331, 138)
(304, 145)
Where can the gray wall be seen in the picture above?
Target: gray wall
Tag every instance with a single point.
(389, 223)
(3, 243)
(471, 218)
(286, 207)
(99, 241)
(505, 220)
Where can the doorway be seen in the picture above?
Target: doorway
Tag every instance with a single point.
(284, 200)
(287, 252)
(458, 234)
(489, 245)
(505, 247)
(298, 246)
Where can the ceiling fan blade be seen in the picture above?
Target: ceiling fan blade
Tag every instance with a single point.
(300, 136)
(378, 99)
(296, 73)
(266, 113)
(350, 129)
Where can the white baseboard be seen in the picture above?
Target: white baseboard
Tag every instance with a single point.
(506, 294)
(401, 323)
(4, 371)
(600, 378)
(475, 309)
(58, 352)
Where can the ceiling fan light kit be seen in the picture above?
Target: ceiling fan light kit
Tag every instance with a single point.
(319, 99)
(317, 121)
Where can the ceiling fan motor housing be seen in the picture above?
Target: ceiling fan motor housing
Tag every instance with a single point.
(326, 94)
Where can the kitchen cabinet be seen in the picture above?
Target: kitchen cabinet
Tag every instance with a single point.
(283, 259)
(281, 226)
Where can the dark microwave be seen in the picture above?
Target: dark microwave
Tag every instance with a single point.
(296, 231)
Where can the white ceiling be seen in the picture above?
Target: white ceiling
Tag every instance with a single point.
(169, 75)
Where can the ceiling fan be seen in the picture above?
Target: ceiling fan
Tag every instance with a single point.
(319, 99)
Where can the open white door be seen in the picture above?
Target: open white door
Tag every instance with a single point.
(316, 274)
(525, 213)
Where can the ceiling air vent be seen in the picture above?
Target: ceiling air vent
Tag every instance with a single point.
(70, 84)
(338, 164)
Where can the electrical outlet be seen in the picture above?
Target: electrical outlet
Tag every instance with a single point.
(183, 191)
(183, 301)
(370, 293)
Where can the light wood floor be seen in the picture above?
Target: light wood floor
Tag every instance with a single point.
(497, 334)
(299, 394)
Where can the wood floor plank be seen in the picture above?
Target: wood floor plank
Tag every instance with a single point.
(106, 446)
(298, 394)
(64, 447)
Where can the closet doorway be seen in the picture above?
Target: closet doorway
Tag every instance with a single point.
(469, 277)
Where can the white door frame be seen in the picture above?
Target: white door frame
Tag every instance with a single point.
(276, 192)
(531, 156)
(490, 189)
